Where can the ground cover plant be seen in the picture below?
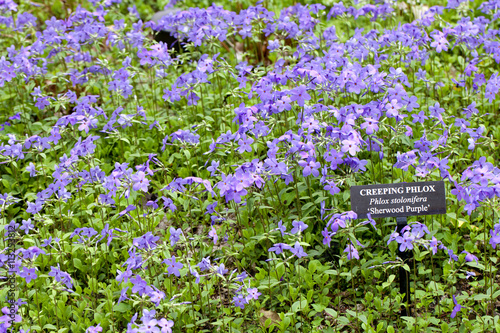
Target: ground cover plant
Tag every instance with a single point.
(153, 188)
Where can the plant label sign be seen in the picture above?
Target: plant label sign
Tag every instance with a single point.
(400, 199)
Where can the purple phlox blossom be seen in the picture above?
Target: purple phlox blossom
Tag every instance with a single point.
(28, 274)
(94, 329)
(166, 325)
(351, 251)
(213, 168)
(175, 235)
(156, 296)
(392, 108)
(140, 286)
(436, 111)
(253, 293)
(13, 225)
(419, 118)
(298, 227)
(241, 277)
(27, 226)
(470, 110)
(244, 144)
(146, 241)
(31, 169)
(211, 208)
(32, 252)
(405, 160)
(6, 319)
(61, 276)
(406, 241)
(350, 146)
(123, 276)
(278, 248)
(127, 210)
(469, 257)
(327, 236)
(412, 103)
(204, 264)
(221, 269)
(495, 236)
(456, 308)
(298, 250)
(433, 245)
(173, 266)
(140, 182)
(369, 221)
(300, 95)
(281, 228)
(310, 167)
(440, 42)
(169, 204)
(239, 300)
(213, 234)
(452, 255)
(370, 125)
(109, 233)
(419, 230)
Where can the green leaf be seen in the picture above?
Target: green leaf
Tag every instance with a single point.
(50, 326)
(299, 305)
(480, 297)
(331, 312)
(331, 272)
(122, 307)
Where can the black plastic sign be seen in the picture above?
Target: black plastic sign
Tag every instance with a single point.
(399, 199)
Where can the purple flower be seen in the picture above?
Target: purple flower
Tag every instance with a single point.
(28, 274)
(244, 144)
(351, 252)
(175, 235)
(456, 309)
(298, 250)
(123, 295)
(127, 210)
(27, 226)
(123, 276)
(281, 228)
(146, 241)
(495, 238)
(140, 182)
(310, 167)
(213, 168)
(204, 264)
(140, 286)
(298, 226)
(240, 301)
(419, 118)
(173, 266)
(166, 325)
(370, 125)
(221, 269)
(31, 169)
(253, 293)
(94, 329)
(327, 237)
(406, 241)
(213, 234)
(278, 248)
(350, 146)
(440, 42)
(300, 95)
(469, 257)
